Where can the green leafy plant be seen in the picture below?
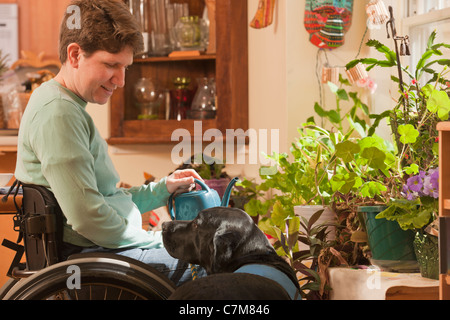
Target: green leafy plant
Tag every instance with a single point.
(421, 205)
(323, 165)
(243, 192)
(289, 231)
(360, 169)
(354, 115)
(423, 102)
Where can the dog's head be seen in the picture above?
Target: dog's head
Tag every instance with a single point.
(214, 239)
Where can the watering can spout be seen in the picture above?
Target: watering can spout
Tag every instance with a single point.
(227, 193)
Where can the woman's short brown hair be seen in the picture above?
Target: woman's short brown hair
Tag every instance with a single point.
(99, 25)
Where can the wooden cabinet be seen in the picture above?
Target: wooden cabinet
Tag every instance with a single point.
(444, 209)
(229, 67)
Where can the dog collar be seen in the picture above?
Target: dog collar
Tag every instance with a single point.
(274, 274)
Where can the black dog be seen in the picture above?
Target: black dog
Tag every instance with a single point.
(239, 260)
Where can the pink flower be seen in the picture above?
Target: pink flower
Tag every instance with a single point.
(372, 86)
(362, 82)
(367, 83)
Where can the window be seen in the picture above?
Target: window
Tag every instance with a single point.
(417, 19)
(420, 7)
(421, 17)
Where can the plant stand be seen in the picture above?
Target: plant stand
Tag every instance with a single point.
(373, 284)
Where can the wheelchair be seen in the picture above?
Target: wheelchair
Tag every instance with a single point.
(47, 275)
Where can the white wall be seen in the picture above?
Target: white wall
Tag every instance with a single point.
(282, 88)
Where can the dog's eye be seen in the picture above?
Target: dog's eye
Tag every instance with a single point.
(194, 225)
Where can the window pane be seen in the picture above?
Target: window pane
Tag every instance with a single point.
(419, 36)
(418, 7)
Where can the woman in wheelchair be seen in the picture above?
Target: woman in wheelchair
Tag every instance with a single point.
(60, 148)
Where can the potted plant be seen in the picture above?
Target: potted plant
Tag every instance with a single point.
(418, 212)
(211, 170)
(422, 103)
(363, 175)
(305, 176)
(243, 192)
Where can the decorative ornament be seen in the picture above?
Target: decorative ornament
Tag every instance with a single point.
(404, 46)
(377, 14)
(330, 74)
(358, 75)
(327, 21)
(264, 16)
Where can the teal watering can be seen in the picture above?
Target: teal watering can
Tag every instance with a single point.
(186, 206)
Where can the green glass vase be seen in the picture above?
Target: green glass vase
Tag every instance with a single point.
(427, 254)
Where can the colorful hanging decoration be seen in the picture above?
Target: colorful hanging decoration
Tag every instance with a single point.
(377, 14)
(358, 75)
(264, 16)
(330, 74)
(327, 21)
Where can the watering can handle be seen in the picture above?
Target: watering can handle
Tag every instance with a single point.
(170, 201)
(202, 184)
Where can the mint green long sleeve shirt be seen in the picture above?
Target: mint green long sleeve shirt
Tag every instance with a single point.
(60, 148)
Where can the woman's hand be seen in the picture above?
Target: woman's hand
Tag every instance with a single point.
(182, 181)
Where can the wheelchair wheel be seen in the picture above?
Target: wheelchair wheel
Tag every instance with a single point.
(6, 287)
(99, 278)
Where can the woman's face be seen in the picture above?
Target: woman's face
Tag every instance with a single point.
(99, 74)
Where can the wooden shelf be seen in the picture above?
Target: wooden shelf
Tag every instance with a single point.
(172, 59)
(157, 131)
(8, 149)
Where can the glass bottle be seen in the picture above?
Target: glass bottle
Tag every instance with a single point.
(180, 98)
(139, 9)
(204, 102)
(147, 99)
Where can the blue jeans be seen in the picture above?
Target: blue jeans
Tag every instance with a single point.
(176, 270)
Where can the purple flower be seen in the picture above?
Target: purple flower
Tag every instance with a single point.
(422, 174)
(415, 183)
(408, 194)
(423, 184)
(434, 176)
(427, 186)
(431, 184)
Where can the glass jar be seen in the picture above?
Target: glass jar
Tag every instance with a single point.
(147, 99)
(204, 102)
(191, 33)
(140, 10)
(180, 98)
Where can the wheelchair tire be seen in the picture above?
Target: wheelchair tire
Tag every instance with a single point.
(7, 287)
(99, 278)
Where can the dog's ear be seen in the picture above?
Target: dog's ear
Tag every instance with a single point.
(224, 244)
